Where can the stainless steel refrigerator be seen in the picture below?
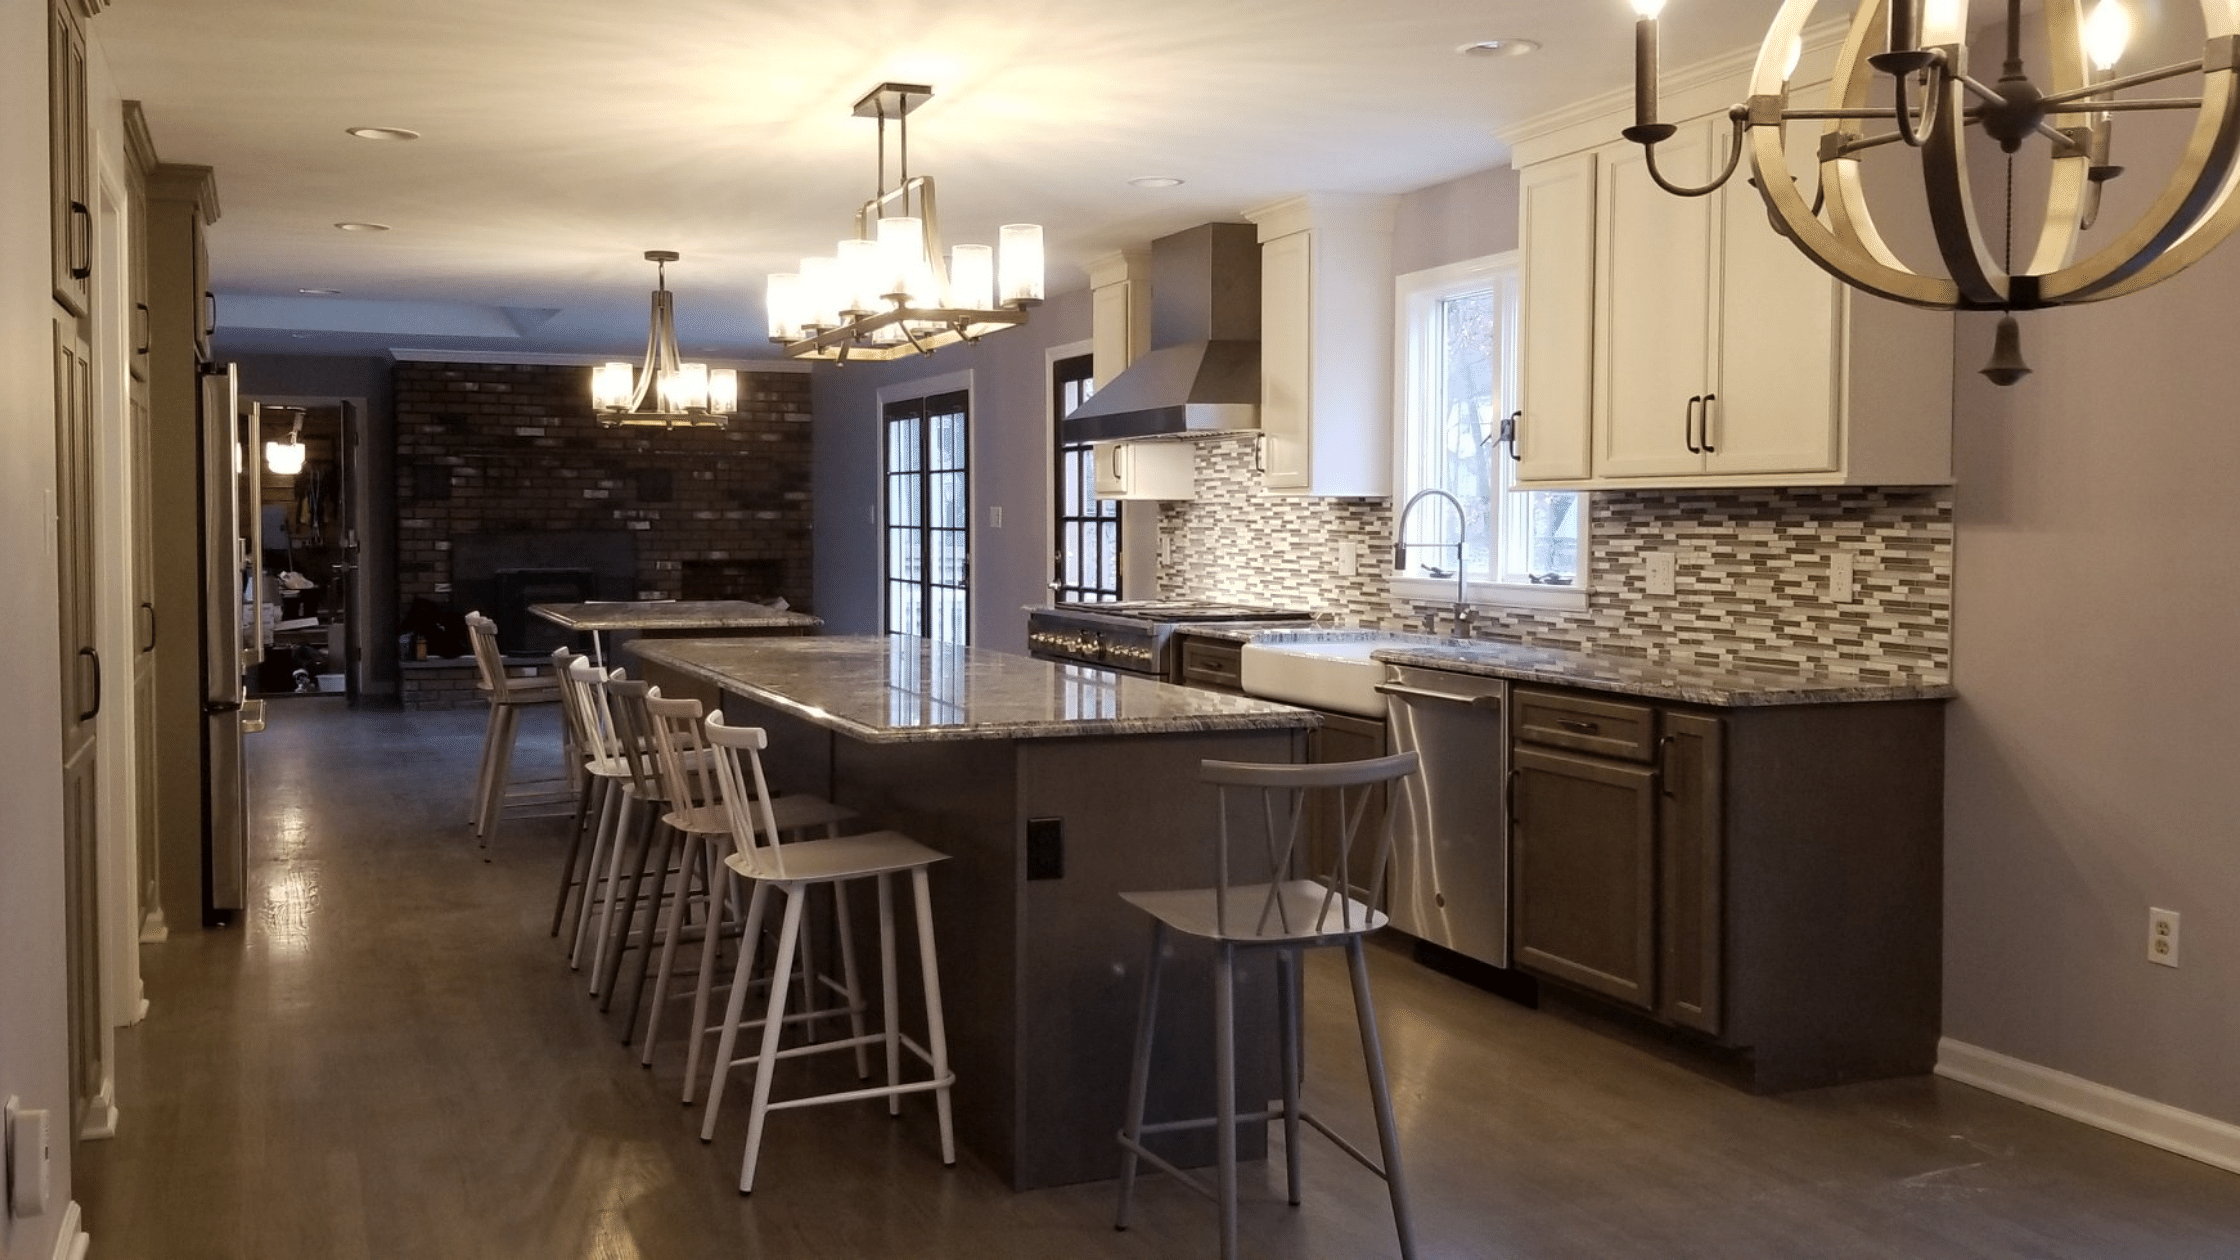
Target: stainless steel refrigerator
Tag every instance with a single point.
(231, 642)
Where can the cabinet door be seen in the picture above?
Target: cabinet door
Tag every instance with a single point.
(1345, 738)
(1776, 394)
(1583, 851)
(1652, 322)
(69, 162)
(1690, 828)
(1286, 360)
(1556, 333)
(75, 517)
(206, 301)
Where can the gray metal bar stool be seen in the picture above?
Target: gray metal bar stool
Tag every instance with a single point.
(1287, 915)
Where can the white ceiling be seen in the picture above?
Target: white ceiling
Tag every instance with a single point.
(563, 138)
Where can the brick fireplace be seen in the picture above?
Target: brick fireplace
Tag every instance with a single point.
(505, 480)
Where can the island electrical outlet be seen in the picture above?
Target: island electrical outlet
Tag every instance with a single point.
(2162, 936)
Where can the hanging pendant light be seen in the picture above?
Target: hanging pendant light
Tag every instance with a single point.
(889, 292)
(1936, 102)
(684, 395)
(285, 459)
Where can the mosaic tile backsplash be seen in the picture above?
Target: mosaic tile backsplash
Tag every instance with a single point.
(1751, 588)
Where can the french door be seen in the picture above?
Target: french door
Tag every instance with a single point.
(928, 516)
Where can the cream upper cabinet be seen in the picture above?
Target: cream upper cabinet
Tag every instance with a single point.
(1145, 470)
(1326, 344)
(1718, 355)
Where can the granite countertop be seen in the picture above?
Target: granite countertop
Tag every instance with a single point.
(678, 614)
(1730, 686)
(1241, 631)
(894, 689)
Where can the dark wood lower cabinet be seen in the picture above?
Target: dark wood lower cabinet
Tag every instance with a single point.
(1770, 877)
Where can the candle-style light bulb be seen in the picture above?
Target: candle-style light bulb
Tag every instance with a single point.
(1645, 62)
(1796, 54)
(1648, 8)
(2106, 32)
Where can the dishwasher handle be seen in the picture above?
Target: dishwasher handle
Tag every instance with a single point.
(1488, 703)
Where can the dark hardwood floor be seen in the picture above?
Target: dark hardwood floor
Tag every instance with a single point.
(389, 1058)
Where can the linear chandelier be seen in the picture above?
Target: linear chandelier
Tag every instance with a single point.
(2074, 112)
(684, 395)
(888, 292)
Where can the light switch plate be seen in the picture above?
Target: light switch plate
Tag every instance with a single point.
(1349, 558)
(1842, 571)
(995, 518)
(1663, 569)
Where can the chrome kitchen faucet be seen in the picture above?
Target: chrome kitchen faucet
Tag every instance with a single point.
(1463, 613)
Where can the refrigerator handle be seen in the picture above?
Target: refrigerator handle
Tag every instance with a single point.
(95, 711)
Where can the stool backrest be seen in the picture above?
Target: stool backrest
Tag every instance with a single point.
(564, 660)
(737, 753)
(1349, 788)
(633, 733)
(685, 761)
(489, 663)
(583, 693)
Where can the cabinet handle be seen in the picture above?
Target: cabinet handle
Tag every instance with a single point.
(95, 711)
(1688, 426)
(1664, 771)
(141, 310)
(210, 305)
(81, 242)
(1708, 448)
(1578, 727)
(149, 645)
(1509, 796)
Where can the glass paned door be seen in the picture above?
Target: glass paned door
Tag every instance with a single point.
(928, 517)
(1088, 528)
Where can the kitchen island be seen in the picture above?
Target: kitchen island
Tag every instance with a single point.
(1052, 789)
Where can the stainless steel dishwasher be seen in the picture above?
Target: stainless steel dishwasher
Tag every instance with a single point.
(1450, 839)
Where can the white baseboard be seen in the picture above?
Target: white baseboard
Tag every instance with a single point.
(2186, 1133)
(72, 1242)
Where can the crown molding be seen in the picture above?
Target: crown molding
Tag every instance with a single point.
(139, 146)
(171, 181)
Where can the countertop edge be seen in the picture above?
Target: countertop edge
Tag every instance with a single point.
(1746, 693)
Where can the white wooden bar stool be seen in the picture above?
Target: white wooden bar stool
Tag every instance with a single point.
(790, 871)
(699, 824)
(601, 797)
(494, 789)
(1287, 915)
(642, 803)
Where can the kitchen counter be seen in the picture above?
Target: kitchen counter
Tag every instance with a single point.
(898, 689)
(672, 616)
(1051, 789)
(1657, 680)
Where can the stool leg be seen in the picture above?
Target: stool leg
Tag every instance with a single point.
(1139, 1072)
(937, 1030)
(501, 771)
(613, 811)
(694, 846)
(789, 937)
(1388, 1133)
(622, 844)
(672, 842)
(1225, 1087)
(888, 993)
(710, 944)
(481, 804)
(1287, 1015)
(594, 789)
(848, 978)
(612, 977)
(742, 976)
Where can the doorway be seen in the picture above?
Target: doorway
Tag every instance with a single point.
(308, 498)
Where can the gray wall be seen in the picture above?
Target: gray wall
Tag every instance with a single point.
(333, 376)
(33, 1054)
(1461, 219)
(1011, 453)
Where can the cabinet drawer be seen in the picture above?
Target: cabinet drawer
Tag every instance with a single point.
(1216, 664)
(1606, 728)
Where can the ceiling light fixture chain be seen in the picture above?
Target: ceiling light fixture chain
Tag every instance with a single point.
(890, 291)
(2194, 212)
(685, 395)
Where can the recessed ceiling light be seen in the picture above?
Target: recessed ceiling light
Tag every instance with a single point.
(383, 133)
(302, 336)
(1500, 48)
(363, 227)
(320, 292)
(1155, 181)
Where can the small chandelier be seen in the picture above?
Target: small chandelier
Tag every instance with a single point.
(2074, 112)
(888, 292)
(685, 395)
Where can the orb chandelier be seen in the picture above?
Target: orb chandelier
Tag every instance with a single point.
(1922, 46)
(888, 291)
(683, 395)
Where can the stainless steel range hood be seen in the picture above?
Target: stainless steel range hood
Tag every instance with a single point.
(1203, 373)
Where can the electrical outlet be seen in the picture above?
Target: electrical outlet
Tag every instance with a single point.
(1662, 572)
(995, 518)
(1842, 570)
(2162, 936)
(1349, 558)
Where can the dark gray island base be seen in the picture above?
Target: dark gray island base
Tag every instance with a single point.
(1052, 789)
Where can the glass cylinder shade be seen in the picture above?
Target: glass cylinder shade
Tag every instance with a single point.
(906, 268)
(612, 387)
(723, 391)
(1019, 262)
(972, 278)
(2106, 32)
(821, 297)
(781, 305)
(862, 275)
(685, 389)
(285, 459)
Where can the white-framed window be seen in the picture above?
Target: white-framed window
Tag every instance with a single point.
(1457, 383)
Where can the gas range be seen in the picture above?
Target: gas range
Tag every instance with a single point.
(1133, 636)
